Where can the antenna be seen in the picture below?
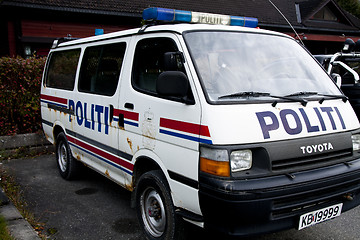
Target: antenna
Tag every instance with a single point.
(287, 21)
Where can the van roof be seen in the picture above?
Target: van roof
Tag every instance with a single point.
(176, 28)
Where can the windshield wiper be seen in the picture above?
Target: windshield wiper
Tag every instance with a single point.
(245, 94)
(342, 97)
(297, 94)
(263, 94)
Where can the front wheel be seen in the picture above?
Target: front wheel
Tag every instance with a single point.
(67, 164)
(155, 209)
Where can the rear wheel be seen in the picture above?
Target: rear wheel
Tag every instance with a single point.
(68, 166)
(155, 209)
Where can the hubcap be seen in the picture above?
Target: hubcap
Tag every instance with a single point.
(153, 212)
(62, 157)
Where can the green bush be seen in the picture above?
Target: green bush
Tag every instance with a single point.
(20, 95)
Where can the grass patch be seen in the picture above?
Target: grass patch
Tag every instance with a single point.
(4, 232)
(14, 193)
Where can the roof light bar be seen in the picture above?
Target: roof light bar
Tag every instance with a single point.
(173, 15)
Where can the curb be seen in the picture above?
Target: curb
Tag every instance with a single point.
(18, 227)
(30, 143)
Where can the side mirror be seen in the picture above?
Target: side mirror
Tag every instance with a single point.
(349, 45)
(174, 84)
(337, 79)
(357, 46)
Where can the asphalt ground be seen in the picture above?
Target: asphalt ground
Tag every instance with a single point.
(93, 207)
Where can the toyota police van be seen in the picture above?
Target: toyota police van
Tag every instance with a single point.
(221, 124)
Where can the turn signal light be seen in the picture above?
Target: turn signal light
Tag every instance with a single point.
(218, 168)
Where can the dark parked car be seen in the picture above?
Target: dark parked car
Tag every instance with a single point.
(345, 64)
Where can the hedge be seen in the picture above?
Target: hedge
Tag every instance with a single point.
(20, 95)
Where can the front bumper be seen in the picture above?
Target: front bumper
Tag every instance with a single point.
(269, 204)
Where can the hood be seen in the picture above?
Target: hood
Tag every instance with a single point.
(256, 123)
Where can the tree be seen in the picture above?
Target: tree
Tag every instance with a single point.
(352, 6)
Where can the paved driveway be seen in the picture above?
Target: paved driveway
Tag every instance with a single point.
(93, 207)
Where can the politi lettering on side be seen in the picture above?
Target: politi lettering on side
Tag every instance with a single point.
(94, 118)
(294, 123)
(316, 148)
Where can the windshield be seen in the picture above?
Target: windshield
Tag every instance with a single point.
(232, 63)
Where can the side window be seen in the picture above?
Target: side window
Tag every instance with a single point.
(100, 69)
(149, 62)
(62, 69)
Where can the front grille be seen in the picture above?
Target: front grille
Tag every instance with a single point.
(300, 203)
(308, 162)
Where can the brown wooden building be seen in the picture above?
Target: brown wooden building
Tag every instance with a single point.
(29, 27)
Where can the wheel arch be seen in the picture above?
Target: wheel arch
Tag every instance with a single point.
(57, 129)
(142, 165)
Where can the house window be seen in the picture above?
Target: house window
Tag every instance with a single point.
(325, 14)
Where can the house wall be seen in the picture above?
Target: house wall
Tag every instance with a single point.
(38, 35)
(31, 32)
(323, 43)
(52, 29)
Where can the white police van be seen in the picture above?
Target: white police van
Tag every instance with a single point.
(231, 128)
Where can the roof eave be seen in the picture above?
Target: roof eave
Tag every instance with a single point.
(70, 9)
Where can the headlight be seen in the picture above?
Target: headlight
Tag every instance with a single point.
(240, 160)
(356, 142)
(215, 161)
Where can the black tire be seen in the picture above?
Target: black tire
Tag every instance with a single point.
(68, 166)
(155, 209)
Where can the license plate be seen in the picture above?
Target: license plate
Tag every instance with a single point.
(312, 218)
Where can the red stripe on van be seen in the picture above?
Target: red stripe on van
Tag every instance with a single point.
(54, 99)
(185, 127)
(128, 115)
(101, 153)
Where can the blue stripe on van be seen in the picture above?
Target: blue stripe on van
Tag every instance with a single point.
(187, 137)
(101, 158)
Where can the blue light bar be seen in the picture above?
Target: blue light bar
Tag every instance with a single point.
(172, 15)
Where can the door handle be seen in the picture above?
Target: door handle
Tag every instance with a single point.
(129, 106)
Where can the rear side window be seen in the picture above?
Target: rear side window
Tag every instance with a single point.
(100, 69)
(62, 69)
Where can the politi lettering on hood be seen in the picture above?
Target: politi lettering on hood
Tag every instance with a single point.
(294, 123)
